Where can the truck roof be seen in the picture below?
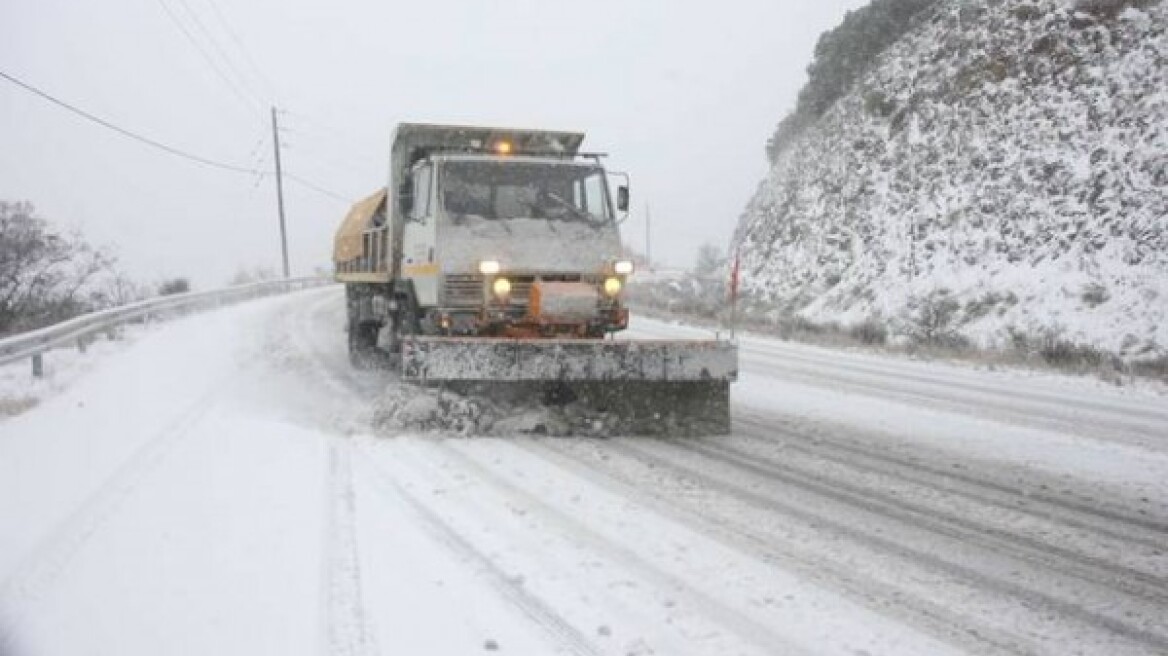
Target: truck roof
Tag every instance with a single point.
(531, 159)
(410, 137)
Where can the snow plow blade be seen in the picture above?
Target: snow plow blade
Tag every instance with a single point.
(478, 359)
(653, 387)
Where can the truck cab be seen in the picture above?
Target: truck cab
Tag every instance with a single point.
(502, 244)
(486, 232)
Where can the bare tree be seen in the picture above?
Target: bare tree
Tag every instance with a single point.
(119, 289)
(45, 277)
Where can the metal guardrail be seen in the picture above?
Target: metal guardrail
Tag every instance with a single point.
(79, 330)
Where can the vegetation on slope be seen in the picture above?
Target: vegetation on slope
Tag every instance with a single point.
(842, 55)
(998, 169)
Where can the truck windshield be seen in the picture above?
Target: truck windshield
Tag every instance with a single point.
(496, 189)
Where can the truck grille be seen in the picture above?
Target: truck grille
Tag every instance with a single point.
(466, 291)
(521, 287)
(463, 291)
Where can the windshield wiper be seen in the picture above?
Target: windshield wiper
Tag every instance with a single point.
(575, 211)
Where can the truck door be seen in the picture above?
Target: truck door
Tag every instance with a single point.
(418, 254)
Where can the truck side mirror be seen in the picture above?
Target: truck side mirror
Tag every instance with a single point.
(405, 198)
(622, 198)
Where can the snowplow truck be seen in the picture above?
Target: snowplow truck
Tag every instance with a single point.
(493, 258)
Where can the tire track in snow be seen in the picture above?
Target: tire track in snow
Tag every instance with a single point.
(1137, 528)
(898, 482)
(348, 626)
(771, 547)
(1143, 433)
(1048, 401)
(1058, 558)
(347, 630)
(49, 558)
(340, 378)
(948, 555)
(725, 615)
(336, 373)
(543, 615)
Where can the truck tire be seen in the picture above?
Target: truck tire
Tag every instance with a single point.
(363, 352)
(405, 325)
(362, 329)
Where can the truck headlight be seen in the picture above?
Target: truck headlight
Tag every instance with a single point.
(612, 286)
(489, 267)
(501, 287)
(623, 267)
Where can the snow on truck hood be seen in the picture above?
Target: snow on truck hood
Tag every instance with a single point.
(523, 244)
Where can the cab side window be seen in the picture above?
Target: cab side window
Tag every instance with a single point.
(422, 179)
(594, 195)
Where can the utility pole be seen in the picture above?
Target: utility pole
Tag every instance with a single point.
(648, 253)
(280, 192)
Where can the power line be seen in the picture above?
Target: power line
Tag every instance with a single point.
(313, 186)
(316, 142)
(161, 146)
(207, 57)
(223, 56)
(264, 80)
(319, 156)
(322, 126)
(124, 132)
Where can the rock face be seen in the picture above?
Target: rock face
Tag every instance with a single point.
(1006, 160)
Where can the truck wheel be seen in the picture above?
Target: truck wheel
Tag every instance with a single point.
(363, 345)
(403, 324)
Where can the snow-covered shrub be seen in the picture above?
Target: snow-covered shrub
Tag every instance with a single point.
(1153, 368)
(870, 331)
(174, 286)
(931, 320)
(1094, 294)
(1110, 8)
(1053, 348)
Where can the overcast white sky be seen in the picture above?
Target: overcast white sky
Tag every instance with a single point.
(682, 94)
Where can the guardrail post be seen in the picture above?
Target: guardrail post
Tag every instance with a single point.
(82, 342)
(38, 366)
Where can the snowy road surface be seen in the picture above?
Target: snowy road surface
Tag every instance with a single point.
(216, 487)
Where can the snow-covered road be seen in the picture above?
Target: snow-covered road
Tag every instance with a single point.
(217, 487)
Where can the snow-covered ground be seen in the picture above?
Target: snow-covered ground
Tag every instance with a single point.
(216, 485)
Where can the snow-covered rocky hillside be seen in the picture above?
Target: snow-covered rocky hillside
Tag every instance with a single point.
(1004, 164)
